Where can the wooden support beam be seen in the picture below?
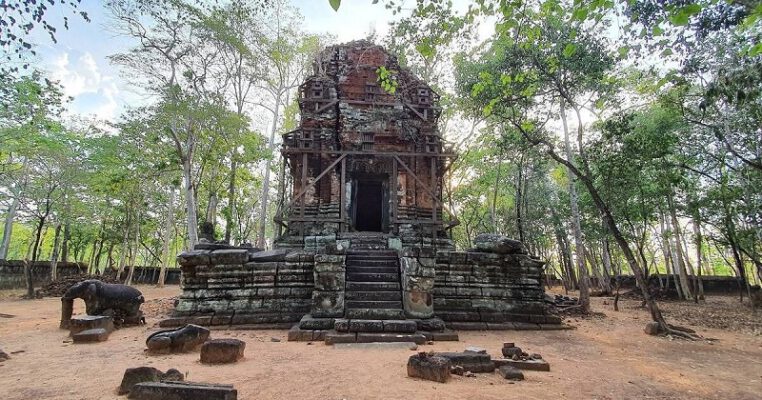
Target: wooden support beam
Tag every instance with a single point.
(425, 187)
(367, 153)
(343, 195)
(306, 186)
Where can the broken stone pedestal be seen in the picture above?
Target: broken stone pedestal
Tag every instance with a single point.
(177, 340)
(429, 367)
(89, 322)
(133, 376)
(182, 391)
(474, 362)
(222, 351)
(510, 373)
(91, 336)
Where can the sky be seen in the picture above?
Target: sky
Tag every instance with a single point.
(99, 89)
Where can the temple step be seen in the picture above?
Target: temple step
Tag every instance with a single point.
(372, 253)
(372, 262)
(372, 286)
(374, 313)
(374, 296)
(373, 304)
(373, 277)
(389, 269)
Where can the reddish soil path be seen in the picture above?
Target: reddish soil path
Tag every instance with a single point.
(605, 358)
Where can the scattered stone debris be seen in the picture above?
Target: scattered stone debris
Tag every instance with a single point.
(177, 340)
(457, 370)
(429, 366)
(561, 302)
(498, 244)
(510, 373)
(469, 374)
(133, 376)
(525, 363)
(182, 390)
(4, 356)
(274, 339)
(58, 287)
(222, 351)
(510, 350)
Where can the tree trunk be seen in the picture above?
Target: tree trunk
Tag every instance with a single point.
(8, 228)
(167, 238)
(682, 271)
(134, 253)
(65, 243)
(190, 203)
(54, 255)
(266, 181)
(584, 280)
(125, 247)
(37, 237)
(520, 199)
(231, 200)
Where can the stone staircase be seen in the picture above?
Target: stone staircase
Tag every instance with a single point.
(373, 285)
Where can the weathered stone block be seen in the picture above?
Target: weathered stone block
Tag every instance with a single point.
(432, 368)
(229, 256)
(430, 324)
(404, 326)
(133, 376)
(269, 255)
(310, 323)
(182, 390)
(418, 283)
(510, 373)
(329, 258)
(336, 337)
(193, 257)
(341, 325)
(88, 322)
(327, 304)
(532, 365)
(363, 325)
(222, 351)
(499, 244)
(474, 362)
(91, 336)
(418, 304)
(177, 340)
(330, 281)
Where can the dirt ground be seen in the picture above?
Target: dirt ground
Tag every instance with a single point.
(606, 357)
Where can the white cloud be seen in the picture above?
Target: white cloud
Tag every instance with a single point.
(94, 93)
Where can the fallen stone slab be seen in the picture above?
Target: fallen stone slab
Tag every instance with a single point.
(429, 367)
(509, 352)
(133, 376)
(91, 336)
(530, 365)
(229, 256)
(86, 322)
(222, 351)
(172, 390)
(378, 345)
(474, 362)
(498, 244)
(416, 338)
(269, 255)
(193, 257)
(510, 373)
(309, 323)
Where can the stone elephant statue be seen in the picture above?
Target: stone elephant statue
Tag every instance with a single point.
(121, 302)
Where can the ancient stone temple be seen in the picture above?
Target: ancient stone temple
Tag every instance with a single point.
(363, 251)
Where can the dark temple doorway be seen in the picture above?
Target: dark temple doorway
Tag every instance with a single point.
(368, 206)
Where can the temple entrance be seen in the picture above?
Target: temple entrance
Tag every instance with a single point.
(368, 210)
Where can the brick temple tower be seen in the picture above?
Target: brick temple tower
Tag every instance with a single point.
(365, 159)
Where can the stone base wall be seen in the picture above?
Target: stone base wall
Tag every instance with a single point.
(482, 289)
(225, 287)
